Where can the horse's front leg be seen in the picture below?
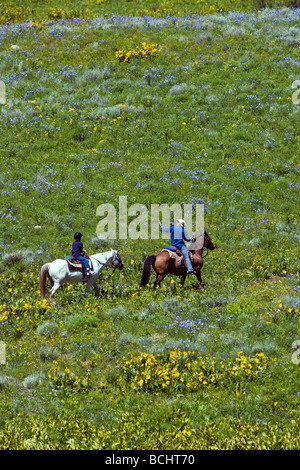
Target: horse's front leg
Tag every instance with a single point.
(182, 279)
(89, 284)
(96, 289)
(198, 275)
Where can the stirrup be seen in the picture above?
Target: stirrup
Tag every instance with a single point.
(191, 272)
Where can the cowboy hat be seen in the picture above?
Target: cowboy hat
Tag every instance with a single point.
(181, 221)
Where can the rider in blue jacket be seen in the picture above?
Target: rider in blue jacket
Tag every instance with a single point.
(178, 236)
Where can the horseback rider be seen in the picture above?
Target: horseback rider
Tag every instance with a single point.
(77, 253)
(178, 236)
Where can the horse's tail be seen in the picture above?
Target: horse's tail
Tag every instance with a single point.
(147, 269)
(44, 273)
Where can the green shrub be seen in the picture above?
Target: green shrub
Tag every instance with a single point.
(48, 353)
(47, 328)
(63, 431)
(82, 322)
(14, 15)
(185, 371)
(33, 380)
(55, 13)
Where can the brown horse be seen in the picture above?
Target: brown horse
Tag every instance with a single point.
(163, 264)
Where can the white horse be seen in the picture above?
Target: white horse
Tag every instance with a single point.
(58, 272)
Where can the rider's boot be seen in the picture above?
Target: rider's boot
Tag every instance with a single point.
(84, 274)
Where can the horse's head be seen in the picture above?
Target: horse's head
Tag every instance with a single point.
(208, 242)
(202, 241)
(117, 262)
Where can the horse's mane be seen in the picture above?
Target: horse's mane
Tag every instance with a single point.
(198, 244)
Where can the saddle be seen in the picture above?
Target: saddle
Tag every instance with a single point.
(176, 254)
(77, 265)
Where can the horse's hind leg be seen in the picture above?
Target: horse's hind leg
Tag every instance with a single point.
(51, 283)
(158, 280)
(54, 288)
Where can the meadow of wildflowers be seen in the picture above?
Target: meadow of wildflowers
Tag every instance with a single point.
(186, 102)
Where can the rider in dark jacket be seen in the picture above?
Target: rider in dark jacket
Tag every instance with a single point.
(77, 251)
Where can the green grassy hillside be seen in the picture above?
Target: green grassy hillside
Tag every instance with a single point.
(176, 106)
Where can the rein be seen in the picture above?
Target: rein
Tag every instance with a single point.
(100, 262)
(105, 264)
